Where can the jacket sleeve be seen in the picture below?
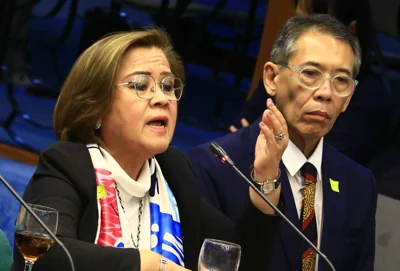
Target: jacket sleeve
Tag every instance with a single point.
(204, 174)
(255, 232)
(56, 184)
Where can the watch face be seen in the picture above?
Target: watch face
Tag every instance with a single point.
(268, 187)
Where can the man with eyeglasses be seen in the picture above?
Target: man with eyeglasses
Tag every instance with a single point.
(328, 196)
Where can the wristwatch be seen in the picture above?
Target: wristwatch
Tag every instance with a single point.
(267, 186)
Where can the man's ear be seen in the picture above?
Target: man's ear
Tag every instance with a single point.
(353, 27)
(271, 71)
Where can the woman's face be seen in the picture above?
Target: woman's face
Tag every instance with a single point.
(140, 126)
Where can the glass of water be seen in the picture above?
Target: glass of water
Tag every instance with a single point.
(217, 255)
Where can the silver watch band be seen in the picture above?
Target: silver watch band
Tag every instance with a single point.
(267, 186)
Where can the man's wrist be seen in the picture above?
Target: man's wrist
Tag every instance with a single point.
(261, 178)
(267, 186)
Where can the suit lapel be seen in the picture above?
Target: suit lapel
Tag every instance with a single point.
(290, 239)
(334, 205)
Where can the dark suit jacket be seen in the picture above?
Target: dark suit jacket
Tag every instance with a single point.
(65, 180)
(348, 231)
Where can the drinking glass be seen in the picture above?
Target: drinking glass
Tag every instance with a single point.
(31, 239)
(217, 255)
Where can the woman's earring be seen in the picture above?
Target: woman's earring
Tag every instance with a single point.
(97, 125)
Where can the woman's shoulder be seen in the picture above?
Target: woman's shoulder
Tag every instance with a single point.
(64, 154)
(64, 148)
(66, 160)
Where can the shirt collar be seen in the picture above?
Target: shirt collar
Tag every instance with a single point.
(294, 159)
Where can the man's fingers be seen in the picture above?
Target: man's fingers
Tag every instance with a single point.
(275, 123)
(278, 115)
(269, 137)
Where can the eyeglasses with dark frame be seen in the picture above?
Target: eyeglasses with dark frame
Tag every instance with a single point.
(312, 78)
(144, 85)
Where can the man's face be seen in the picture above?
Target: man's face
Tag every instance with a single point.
(310, 114)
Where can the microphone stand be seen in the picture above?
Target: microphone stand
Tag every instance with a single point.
(29, 209)
(224, 158)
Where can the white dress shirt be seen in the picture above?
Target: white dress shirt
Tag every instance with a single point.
(294, 159)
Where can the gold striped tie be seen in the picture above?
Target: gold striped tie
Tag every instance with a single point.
(308, 220)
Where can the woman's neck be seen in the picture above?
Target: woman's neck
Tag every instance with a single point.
(131, 164)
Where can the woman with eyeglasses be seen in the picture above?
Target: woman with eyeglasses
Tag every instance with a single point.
(126, 200)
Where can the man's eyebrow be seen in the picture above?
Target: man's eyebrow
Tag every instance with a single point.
(319, 66)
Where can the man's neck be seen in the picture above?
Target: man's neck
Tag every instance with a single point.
(306, 145)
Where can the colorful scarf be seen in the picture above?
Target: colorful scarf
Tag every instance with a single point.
(166, 236)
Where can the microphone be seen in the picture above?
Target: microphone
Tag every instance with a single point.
(221, 154)
(29, 209)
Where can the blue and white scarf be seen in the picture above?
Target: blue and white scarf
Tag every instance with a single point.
(166, 235)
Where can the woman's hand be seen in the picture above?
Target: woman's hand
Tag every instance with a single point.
(150, 261)
(271, 143)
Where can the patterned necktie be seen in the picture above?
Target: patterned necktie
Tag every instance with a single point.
(308, 220)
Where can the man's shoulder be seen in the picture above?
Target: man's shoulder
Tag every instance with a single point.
(231, 143)
(347, 164)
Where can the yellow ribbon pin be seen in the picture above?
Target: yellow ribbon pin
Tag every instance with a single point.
(334, 185)
(101, 191)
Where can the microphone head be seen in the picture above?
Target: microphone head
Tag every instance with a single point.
(219, 152)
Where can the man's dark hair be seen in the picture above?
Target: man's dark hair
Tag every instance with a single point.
(285, 44)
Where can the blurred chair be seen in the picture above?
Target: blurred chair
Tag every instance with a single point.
(384, 15)
(189, 24)
(5, 253)
(215, 35)
(386, 54)
(5, 22)
(8, 9)
(386, 22)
